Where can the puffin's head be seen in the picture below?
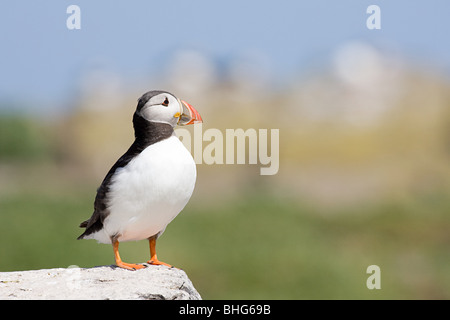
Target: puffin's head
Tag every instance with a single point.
(164, 107)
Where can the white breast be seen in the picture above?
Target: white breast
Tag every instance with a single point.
(149, 191)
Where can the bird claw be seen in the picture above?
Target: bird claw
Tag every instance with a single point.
(131, 266)
(159, 263)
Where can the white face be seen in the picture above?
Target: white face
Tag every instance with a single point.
(163, 108)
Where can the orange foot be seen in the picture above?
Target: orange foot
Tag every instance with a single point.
(130, 266)
(156, 262)
(120, 263)
(153, 258)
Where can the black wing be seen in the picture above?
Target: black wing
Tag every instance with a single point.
(95, 222)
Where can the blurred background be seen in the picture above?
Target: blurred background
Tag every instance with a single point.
(364, 120)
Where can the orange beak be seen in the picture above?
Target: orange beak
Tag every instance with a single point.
(189, 115)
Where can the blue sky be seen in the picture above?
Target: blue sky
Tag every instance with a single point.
(41, 59)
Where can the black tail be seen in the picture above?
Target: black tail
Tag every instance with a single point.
(96, 226)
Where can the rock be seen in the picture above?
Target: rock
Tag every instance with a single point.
(99, 283)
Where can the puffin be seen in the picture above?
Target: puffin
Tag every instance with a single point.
(151, 183)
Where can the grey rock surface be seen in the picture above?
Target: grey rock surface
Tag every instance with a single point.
(99, 283)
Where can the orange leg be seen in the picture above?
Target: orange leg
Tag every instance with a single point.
(120, 263)
(153, 258)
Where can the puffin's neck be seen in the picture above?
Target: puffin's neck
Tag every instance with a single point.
(147, 132)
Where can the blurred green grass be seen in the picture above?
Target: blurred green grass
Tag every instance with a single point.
(255, 247)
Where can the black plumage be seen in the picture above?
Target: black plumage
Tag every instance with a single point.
(146, 133)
